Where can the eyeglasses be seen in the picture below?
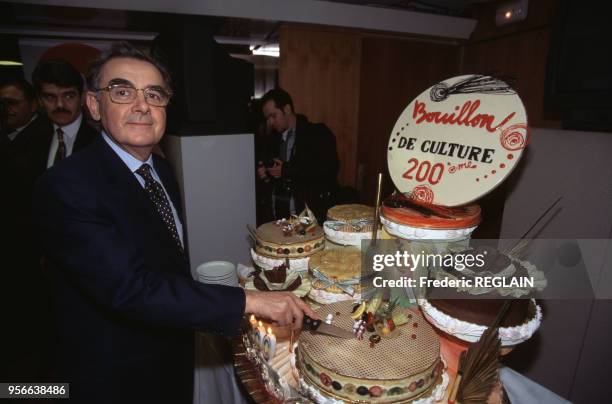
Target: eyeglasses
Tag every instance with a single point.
(126, 94)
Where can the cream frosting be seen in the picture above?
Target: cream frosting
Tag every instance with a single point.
(418, 233)
(471, 332)
(346, 237)
(267, 263)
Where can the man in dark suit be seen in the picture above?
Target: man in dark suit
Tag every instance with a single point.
(109, 219)
(301, 164)
(60, 91)
(22, 292)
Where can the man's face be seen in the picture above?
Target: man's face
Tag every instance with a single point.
(276, 119)
(19, 110)
(63, 104)
(136, 127)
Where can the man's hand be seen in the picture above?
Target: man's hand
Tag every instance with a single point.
(261, 171)
(283, 308)
(277, 170)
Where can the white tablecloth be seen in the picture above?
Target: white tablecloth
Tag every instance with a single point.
(214, 373)
(522, 390)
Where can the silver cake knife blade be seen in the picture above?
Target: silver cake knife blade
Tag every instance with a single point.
(324, 328)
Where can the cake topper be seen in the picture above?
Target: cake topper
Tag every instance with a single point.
(305, 222)
(457, 140)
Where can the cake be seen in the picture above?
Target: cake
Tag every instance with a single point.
(267, 263)
(349, 224)
(405, 368)
(408, 219)
(278, 279)
(466, 311)
(464, 319)
(298, 237)
(276, 373)
(335, 275)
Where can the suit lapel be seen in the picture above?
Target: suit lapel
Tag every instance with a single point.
(133, 195)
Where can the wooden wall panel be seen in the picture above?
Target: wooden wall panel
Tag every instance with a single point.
(523, 56)
(393, 73)
(519, 50)
(319, 67)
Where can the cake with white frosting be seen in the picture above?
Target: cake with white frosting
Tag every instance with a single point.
(408, 219)
(297, 237)
(465, 312)
(405, 368)
(335, 275)
(349, 224)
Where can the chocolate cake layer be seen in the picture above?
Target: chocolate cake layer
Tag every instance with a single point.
(484, 311)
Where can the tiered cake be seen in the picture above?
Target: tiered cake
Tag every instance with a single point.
(411, 220)
(403, 368)
(273, 242)
(466, 312)
(335, 275)
(349, 224)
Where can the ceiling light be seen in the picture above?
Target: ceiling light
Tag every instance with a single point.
(511, 12)
(266, 50)
(10, 63)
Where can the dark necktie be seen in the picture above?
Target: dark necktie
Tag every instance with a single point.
(61, 146)
(160, 201)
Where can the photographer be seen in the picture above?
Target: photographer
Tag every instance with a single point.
(300, 162)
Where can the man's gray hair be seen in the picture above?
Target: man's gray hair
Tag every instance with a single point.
(123, 50)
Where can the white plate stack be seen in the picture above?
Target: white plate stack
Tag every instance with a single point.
(218, 272)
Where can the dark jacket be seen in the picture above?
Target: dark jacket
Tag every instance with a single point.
(85, 135)
(125, 302)
(24, 293)
(22, 290)
(313, 167)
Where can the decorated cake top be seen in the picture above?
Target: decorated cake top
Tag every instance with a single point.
(337, 264)
(350, 212)
(403, 210)
(297, 229)
(413, 350)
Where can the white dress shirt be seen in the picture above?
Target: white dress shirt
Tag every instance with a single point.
(290, 142)
(70, 134)
(134, 164)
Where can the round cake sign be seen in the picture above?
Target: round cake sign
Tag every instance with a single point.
(457, 140)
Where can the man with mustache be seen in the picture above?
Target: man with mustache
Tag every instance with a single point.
(110, 223)
(60, 87)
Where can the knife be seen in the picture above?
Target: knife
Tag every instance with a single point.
(324, 328)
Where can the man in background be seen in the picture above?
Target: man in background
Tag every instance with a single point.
(59, 87)
(300, 162)
(22, 292)
(18, 108)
